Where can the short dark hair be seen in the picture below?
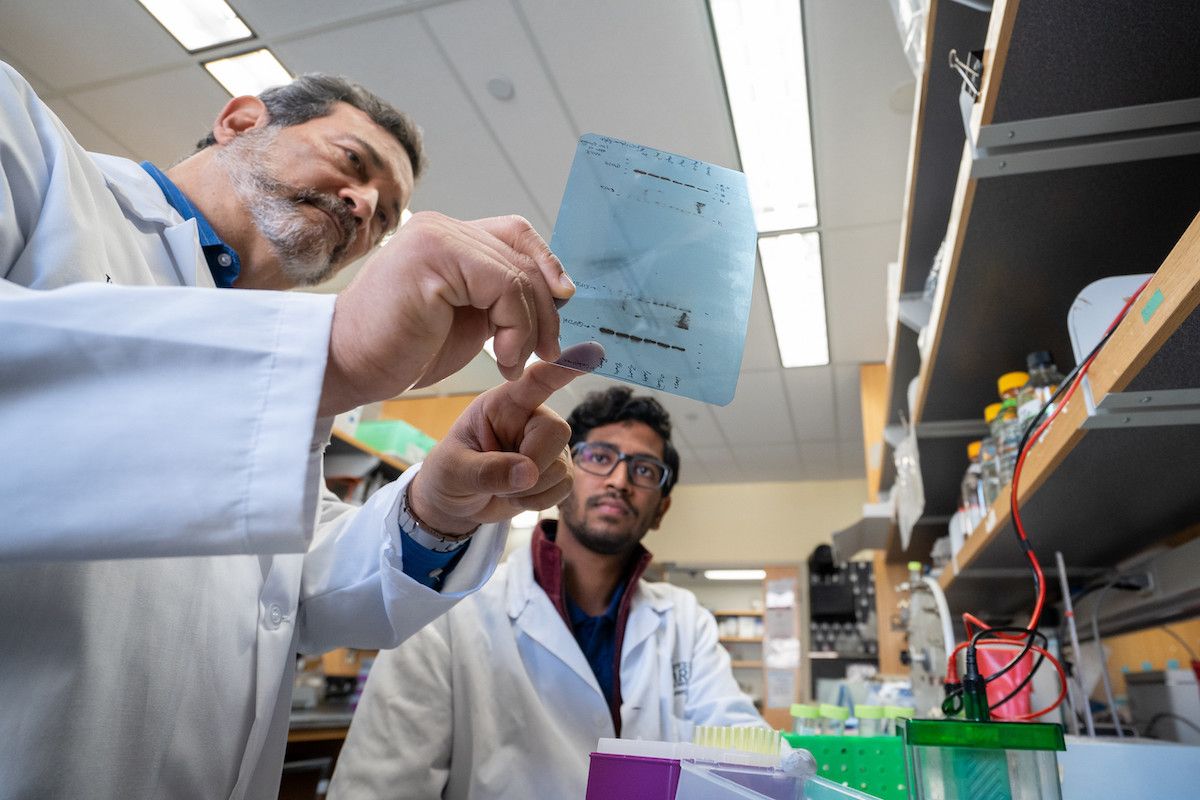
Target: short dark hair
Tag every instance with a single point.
(617, 404)
(313, 95)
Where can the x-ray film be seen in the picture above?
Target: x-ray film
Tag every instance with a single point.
(661, 248)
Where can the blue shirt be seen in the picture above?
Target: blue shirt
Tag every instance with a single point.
(419, 563)
(597, 638)
(223, 261)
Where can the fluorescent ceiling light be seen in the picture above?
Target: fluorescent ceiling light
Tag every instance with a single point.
(735, 574)
(792, 268)
(249, 73)
(197, 24)
(762, 55)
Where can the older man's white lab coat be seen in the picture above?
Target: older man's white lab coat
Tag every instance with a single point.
(177, 422)
(495, 700)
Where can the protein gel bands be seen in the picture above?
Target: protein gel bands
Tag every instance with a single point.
(662, 250)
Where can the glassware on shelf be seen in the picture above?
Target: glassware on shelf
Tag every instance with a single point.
(1006, 427)
(1044, 380)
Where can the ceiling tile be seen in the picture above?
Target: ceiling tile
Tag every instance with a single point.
(759, 412)
(39, 86)
(531, 126)
(644, 72)
(849, 401)
(856, 289)
(857, 68)
(821, 460)
(693, 422)
(159, 117)
(718, 464)
(86, 132)
(810, 395)
(280, 17)
(67, 43)
(467, 176)
(768, 461)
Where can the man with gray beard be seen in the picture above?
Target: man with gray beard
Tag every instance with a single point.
(168, 545)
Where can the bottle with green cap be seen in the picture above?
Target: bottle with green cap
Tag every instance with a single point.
(870, 719)
(892, 715)
(1006, 428)
(989, 460)
(833, 719)
(807, 719)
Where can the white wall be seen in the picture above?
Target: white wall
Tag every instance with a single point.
(754, 524)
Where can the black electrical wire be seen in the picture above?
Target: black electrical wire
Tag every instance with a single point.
(1063, 386)
(1168, 715)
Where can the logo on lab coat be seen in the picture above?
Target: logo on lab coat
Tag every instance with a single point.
(681, 672)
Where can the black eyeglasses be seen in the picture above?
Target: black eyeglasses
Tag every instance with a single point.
(600, 458)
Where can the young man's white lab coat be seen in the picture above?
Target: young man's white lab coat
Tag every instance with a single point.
(495, 699)
(163, 422)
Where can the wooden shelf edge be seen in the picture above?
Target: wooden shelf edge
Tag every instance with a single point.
(746, 664)
(741, 639)
(995, 56)
(390, 460)
(737, 613)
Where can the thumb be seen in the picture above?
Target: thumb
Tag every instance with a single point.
(494, 473)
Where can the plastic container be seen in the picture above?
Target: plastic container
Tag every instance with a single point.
(870, 720)
(1044, 379)
(1006, 427)
(962, 760)
(806, 719)
(633, 777)
(989, 460)
(971, 488)
(892, 716)
(833, 719)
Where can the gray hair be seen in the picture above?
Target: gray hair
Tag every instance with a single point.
(312, 96)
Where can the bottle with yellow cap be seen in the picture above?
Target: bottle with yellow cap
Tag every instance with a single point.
(1044, 379)
(989, 461)
(834, 719)
(1007, 426)
(971, 494)
(808, 719)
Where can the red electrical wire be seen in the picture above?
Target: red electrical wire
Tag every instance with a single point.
(970, 620)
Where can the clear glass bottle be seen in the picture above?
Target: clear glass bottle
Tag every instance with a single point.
(1006, 428)
(870, 720)
(989, 461)
(971, 493)
(1044, 379)
(833, 719)
(806, 719)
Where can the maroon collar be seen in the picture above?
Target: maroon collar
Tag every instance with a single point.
(549, 575)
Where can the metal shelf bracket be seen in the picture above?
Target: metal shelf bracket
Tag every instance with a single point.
(1141, 409)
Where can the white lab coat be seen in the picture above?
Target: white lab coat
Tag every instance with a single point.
(168, 421)
(495, 700)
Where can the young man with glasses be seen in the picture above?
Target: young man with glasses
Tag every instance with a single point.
(506, 695)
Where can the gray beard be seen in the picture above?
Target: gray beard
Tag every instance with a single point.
(303, 249)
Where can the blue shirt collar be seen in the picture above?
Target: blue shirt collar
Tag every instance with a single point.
(223, 261)
(578, 615)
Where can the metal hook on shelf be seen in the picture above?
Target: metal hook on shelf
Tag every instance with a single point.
(969, 70)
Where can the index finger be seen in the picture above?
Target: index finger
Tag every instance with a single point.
(544, 378)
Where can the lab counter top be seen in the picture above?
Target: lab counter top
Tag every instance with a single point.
(326, 721)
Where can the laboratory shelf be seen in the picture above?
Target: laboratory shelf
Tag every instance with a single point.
(746, 664)
(1041, 203)
(737, 613)
(1102, 494)
(937, 130)
(1022, 246)
(392, 461)
(741, 639)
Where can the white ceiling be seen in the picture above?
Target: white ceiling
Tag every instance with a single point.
(634, 69)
